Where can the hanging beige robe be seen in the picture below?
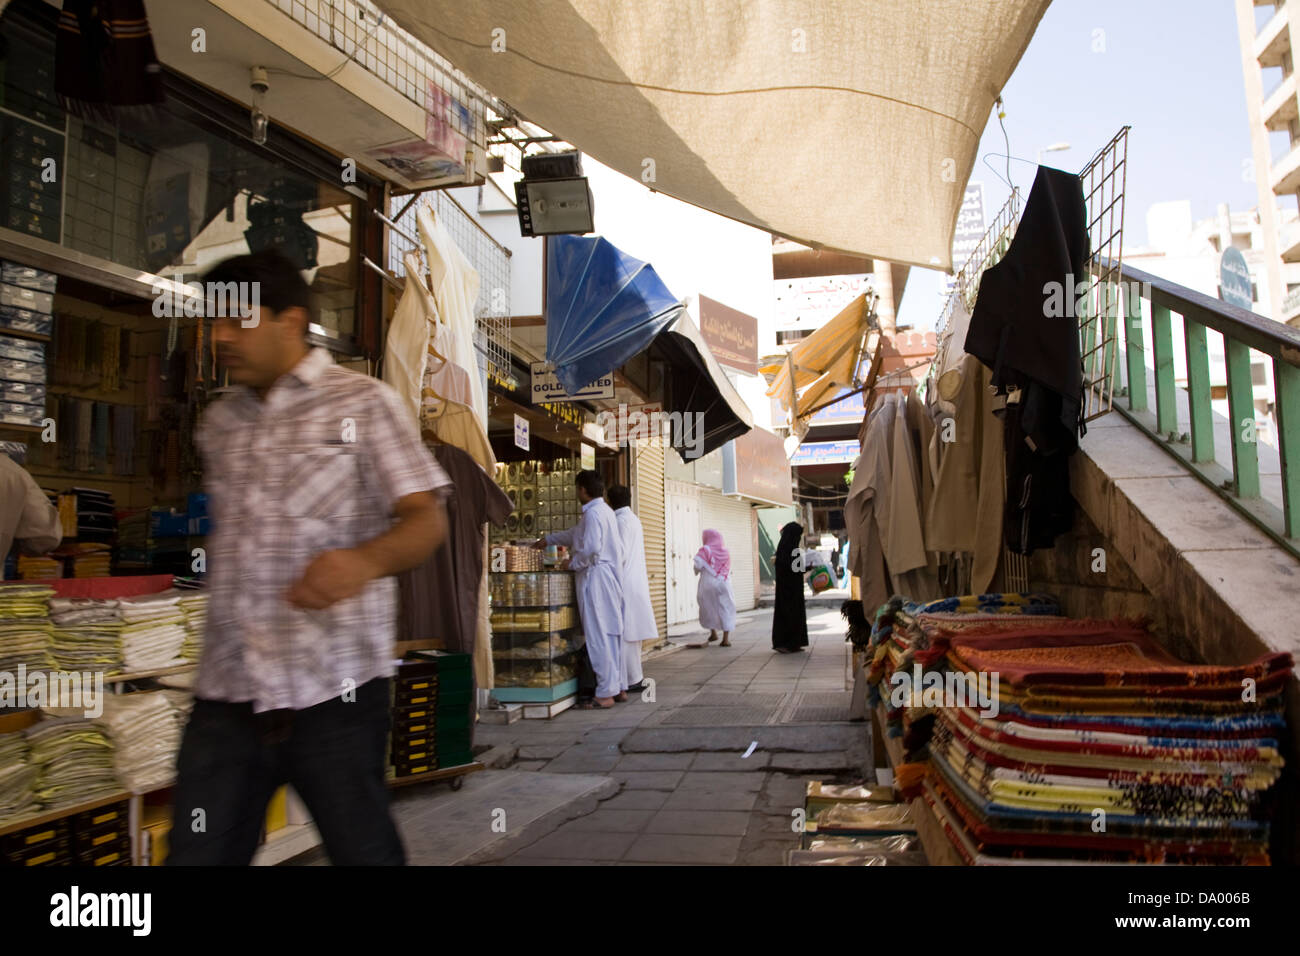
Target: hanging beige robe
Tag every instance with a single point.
(965, 513)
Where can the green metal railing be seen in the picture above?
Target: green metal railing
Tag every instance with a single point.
(1238, 479)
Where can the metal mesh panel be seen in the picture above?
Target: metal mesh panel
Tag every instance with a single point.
(485, 254)
(1103, 192)
(383, 48)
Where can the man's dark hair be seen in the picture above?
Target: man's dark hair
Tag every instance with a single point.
(589, 481)
(280, 285)
(619, 496)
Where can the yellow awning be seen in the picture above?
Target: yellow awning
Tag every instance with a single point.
(824, 362)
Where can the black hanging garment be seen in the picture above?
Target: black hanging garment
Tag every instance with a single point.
(1025, 327)
(789, 620)
(104, 59)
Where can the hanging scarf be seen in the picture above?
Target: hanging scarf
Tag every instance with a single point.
(715, 555)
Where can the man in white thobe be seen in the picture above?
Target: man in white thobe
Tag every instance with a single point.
(638, 614)
(596, 554)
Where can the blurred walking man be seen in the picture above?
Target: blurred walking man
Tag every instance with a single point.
(320, 491)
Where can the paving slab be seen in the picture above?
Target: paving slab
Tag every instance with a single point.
(721, 780)
(678, 848)
(642, 761)
(705, 822)
(636, 800)
(443, 827)
(571, 843)
(711, 800)
(614, 820)
(731, 762)
(647, 779)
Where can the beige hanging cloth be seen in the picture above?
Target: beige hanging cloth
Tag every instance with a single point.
(406, 350)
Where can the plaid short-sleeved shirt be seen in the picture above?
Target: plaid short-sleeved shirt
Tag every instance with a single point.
(319, 464)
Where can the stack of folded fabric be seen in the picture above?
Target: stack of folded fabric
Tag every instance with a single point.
(153, 631)
(17, 779)
(1105, 748)
(73, 759)
(43, 568)
(88, 559)
(25, 628)
(195, 607)
(146, 736)
(87, 634)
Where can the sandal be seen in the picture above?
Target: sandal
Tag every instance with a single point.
(725, 644)
(621, 697)
(712, 638)
(594, 705)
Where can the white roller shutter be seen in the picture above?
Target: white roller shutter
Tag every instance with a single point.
(732, 518)
(648, 504)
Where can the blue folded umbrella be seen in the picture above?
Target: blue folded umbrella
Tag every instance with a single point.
(602, 308)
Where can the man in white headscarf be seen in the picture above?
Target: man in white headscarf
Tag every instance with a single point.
(638, 613)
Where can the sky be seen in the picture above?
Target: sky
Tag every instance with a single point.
(1170, 69)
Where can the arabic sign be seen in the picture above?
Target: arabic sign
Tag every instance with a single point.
(970, 225)
(811, 302)
(850, 409)
(521, 432)
(731, 335)
(547, 388)
(754, 466)
(1234, 278)
(826, 453)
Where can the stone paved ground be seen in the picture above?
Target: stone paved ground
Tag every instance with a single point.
(687, 792)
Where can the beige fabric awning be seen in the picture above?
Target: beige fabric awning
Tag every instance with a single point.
(817, 367)
(848, 124)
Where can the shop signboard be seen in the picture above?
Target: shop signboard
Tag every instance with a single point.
(732, 335)
(547, 388)
(755, 466)
(1234, 279)
(521, 432)
(811, 302)
(826, 453)
(850, 409)
(587, 457)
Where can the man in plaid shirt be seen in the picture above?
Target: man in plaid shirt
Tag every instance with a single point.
(320, 491)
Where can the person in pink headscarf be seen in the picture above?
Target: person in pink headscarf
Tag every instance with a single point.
(717, 605)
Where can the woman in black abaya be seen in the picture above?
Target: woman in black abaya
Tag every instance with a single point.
(789, 625)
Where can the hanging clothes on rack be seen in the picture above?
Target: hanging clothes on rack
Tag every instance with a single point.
(454, 284)
(1033, 351)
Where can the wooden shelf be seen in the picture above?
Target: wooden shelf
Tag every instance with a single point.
(442, 773)
(51, 815)
(938, 848)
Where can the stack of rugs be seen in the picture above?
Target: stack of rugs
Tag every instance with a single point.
(1103, 747)
(17, 779)
(146, 734)
(902, 630)
(87, 634)
(25, 629)
(194, 605)
(73, 759)
(153, 631)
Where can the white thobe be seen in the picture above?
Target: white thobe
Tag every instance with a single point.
(638, 613)
(717, 606)
(596, 554)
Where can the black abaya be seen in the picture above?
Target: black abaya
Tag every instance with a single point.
(789, 623)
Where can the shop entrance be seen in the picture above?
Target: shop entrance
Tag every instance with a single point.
(683, 514)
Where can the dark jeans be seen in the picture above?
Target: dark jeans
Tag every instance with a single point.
(231, 762)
